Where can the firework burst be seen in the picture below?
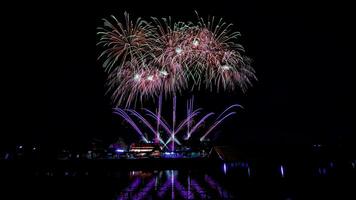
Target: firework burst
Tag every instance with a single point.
(146, 59)
(124, 41)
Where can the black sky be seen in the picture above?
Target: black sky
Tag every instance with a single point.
(53, 86)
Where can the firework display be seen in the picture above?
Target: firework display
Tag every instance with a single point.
(174, 131)
(145, 59)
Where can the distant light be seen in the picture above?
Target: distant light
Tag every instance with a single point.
(248, 171)
(120, 150)
(331, 164)
(282, 171)
(225, 168)
(179, 50)
(322, 171)
(317, 145)
(20, 147)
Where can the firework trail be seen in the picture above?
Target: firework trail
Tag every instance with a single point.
(190, 124)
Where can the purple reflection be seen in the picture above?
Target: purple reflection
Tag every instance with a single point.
(331, 164)
(322, 171)
(182, 191)
(215, 185)
(197, 187)
(172, 178)
(164, 188)
(143, 193)
(175, 184)
(130, 188)
(138, 191)
(189, 190)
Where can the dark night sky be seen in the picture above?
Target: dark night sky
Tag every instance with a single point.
(53, 87)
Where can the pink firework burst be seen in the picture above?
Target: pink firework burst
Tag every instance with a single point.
(142, 81)
(124, 41)
(166, 57)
